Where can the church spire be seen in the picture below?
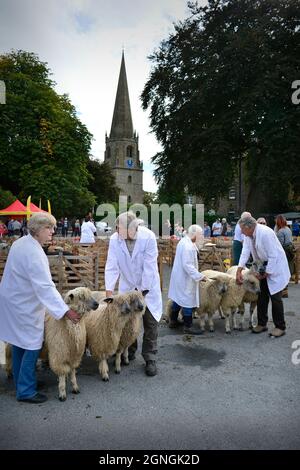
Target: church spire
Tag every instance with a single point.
(121, 126)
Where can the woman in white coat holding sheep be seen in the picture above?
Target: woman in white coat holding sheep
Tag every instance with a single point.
(185, 277)
(132, 259)
(26, 290)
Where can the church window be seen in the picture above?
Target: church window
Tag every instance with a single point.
(129, 198)
(108, 152)
(129, 151)
(129, 179)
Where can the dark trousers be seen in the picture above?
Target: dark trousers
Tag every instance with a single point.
(236, 252)
(149, 348)
(277, 306)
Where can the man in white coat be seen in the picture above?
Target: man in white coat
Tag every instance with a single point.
(132, 259)
(261, 242)
(26, 290)
(185, 277)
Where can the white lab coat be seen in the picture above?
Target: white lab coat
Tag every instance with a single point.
(87, 232)
(184, 287)
(265, 246)
(137, 271)
(26, 291)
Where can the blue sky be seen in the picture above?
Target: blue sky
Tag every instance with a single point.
(82, 42)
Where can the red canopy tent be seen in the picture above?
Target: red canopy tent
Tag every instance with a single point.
(16, 209)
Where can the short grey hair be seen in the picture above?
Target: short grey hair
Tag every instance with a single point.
(247, 221)
(39, 221)
(127, 219)
(193, 230)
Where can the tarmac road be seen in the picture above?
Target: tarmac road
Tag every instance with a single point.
(216, 391)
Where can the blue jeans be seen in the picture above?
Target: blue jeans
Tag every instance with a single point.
(187, 311)
(24, 364)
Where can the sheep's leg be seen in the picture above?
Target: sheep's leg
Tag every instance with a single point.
(252, 308)
(62, 395)
(75, 388)
(118, 362)
(234, 320)
(241, 312)
(211, 322)
(227, 321)
(221, 313)
(202, 322)
(125, 357)
(103, 370)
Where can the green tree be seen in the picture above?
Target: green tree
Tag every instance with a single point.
(44, 148)
(6, 198)
(220, 91)
(102, 182)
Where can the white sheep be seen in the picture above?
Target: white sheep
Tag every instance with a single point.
(211, 293)
(232, 298)
(65, 341)
(104, 328)
(132, 327)
(249, 298)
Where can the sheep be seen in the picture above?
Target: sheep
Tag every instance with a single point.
(211, 293)
(104, 329)
(249, 298)
(64, 341)
(132, 327)
(232, 298)
(99, 295)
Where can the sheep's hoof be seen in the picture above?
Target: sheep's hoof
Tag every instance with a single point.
(117, 371)
(228, 332)
(235, 328)
(250, 327)
(62, 398)
(76, 391)
(211, 330)
(105, 379)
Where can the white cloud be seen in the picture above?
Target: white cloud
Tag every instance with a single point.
(82, 42)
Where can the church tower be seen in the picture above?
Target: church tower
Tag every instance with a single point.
(122, 145)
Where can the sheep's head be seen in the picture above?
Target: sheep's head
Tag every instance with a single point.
(251, 283)
(137, 301)
(120, 303)
(221, 286)
(81, 300)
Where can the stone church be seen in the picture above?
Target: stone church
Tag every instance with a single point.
(122, 145)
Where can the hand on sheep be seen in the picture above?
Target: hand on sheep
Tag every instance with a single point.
(239, 276)
(73, 316)
(109, 293)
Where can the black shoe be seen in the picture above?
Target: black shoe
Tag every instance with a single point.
(38, 398)
(40, 384)
(151, 368)
(189, 330)
(175, 323)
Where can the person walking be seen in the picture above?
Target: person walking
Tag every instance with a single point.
(238, 239)
(132, 259)
(261, 242)
(184, 282)
(26, 291)
(285, 237)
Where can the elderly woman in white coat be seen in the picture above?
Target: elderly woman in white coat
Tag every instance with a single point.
(132, 259)
(26, 290)
(185, 277)
(261, 242)
(88, 231)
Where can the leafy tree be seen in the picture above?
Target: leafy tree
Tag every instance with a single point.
(220, 92)
(44, 148)
(102, 182)
(6, 198)
(149, 198)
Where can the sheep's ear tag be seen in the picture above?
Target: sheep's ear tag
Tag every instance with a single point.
(108, 300)
(145, 292)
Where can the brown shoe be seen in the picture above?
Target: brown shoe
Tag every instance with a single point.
(277, 333)
(259, 329)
